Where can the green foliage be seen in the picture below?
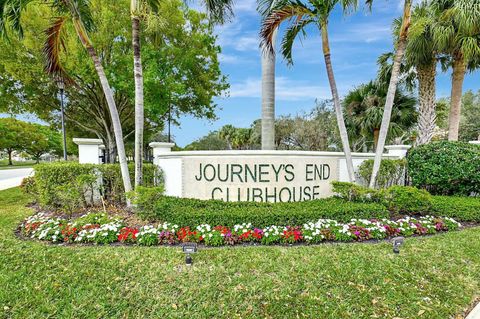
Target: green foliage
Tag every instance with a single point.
(355, 193)
(54, 181)
(398, 199)
(446, 168)
(145, 197)
(193, 212)
(461, 208)
(392, 172)
(28, 185)
(364, 106)
(408, 200)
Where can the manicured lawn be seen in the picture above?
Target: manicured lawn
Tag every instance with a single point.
(26, 164)
(435, 277)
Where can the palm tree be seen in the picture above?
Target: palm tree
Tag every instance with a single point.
(421, 54)
(218, 10)
(76, 11)
(392, 87)
(268, 84)
(456, 34)
(301, 14)
(364, 109)
(226, 133)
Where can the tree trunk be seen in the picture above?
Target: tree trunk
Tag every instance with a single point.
(392, 88)
(426, 92)
(10, 162)
(376, 133)
(139, 116)
(336, 102)
(117, 127)
(456, 97)
(268, 98)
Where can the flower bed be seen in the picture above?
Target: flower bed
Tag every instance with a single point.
(101, 229)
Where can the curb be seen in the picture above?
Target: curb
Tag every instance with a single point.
(475, 313)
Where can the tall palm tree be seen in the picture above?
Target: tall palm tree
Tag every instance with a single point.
(421, 54)
(218, 10)
(301, 14)
(456, 33)
(364, 109)
(268, 83)
(76, 11)
(392, 88)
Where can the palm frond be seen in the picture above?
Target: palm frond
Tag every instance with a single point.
(288, 10)
(290, 34)
(219, 11)
(52, 48)
(10, 16)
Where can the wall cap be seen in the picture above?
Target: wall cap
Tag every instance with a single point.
(161, 144)
(87, 141)
(270, 153)
(398, 147)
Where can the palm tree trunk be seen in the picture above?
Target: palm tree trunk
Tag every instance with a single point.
(268, 98)
(392, 88)
(376, 134)
(456, 97)
(139, 110)
(426, 92)
(117, 126)
(336, 102)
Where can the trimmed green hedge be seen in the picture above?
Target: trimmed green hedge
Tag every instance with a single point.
(446, 168)
(461, 208)
(193, 212)
(392, 172)
(60, 182)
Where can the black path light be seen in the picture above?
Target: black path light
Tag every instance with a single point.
(397, 242)
(61, 88)
(188, 249)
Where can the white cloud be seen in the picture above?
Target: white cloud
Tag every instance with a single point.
(285, 89)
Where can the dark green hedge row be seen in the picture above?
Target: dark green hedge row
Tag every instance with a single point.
(446, 168)
(461, 208)
(54, 180)
(193, 212)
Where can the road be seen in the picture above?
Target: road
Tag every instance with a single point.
(13, 177)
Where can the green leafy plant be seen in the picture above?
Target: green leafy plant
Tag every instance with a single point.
(356, 193)
(193, 212)
(462, 208)
(446, 168)
(53, 180)
(408, 200)
(28, 185)
(392, 172)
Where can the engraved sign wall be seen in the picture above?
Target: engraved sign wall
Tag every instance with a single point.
(261, 179)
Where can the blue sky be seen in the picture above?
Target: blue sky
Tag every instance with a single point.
(356, 42)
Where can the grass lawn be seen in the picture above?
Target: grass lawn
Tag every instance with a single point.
(25, 164)
(433, 277)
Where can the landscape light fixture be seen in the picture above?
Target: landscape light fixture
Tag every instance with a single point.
(397, 242)
(188, 249)
(61, 88)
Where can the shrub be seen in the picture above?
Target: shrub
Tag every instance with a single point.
(392, 172)
(446, 168)
(28, 185)
(408, 200)
(464, 208)
(53, 182)
(356, 193)
(193, 212)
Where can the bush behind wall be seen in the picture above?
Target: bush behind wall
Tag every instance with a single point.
(446, 168)
(51, 178)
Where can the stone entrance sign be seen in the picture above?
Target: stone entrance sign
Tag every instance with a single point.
(261, 179)
(255, 175)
